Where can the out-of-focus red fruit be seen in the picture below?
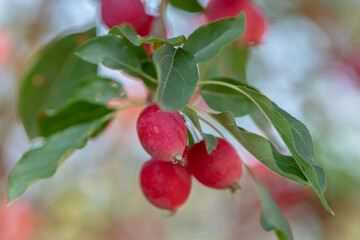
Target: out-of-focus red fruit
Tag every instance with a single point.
(220, 169)
(16, 221)
(4, 47)
(217, 9)
(165, 185)
(285, 193)
(162, 134)
(118, 12)
(256, 23)
(352, 60)
(256, 26)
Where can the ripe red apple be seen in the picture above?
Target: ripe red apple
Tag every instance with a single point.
(220, 169)
(256, 23)
(164, 184)
(118, 12)
(162, 134)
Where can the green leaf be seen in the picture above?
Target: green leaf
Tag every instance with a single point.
(191, 140)
(95, 89)
(265, 126)
(230, 62)
(262, 149)
(206, 41)
(210, 140)
(187, 5)
(118, 53)
(87, 101)
(46, 83)
(271, 218)
(177, 77)
(294, 134)
(73, 114)
(129, 33)
(221, 98)
(42, 161)
(126, 31)
(175, 41)
(236, 58)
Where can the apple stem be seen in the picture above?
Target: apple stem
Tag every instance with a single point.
(234, 187)
(172, 213)
(179, 159)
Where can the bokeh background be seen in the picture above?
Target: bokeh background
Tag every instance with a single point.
(309, 64)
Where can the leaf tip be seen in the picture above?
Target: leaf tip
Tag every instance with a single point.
(10, 200)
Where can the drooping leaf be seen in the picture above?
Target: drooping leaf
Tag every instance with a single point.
(206, 41)
(262, 149)
(128, 32)
(47, 82)
(265, 126)
(210, 140)
(294, 134)
(95, 89)
(42, 161)
(73, 114)
(187, 5)
(271, 218)
(177, 77)
(221, 99)
(119, 53)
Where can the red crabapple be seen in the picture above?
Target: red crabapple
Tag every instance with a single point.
(256, 23)
(165, 185)
(118, 12)
(162, 134)
(220, 169)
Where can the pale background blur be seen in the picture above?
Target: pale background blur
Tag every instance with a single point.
(309, 64)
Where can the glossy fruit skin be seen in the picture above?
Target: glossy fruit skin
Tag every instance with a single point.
(256, 23)
(118, 12)
(219, 169)
(162, 134)
(164, 184)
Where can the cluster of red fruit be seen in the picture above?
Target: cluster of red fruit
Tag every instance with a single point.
(255, 19)
(166, 178)
(117, 12)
